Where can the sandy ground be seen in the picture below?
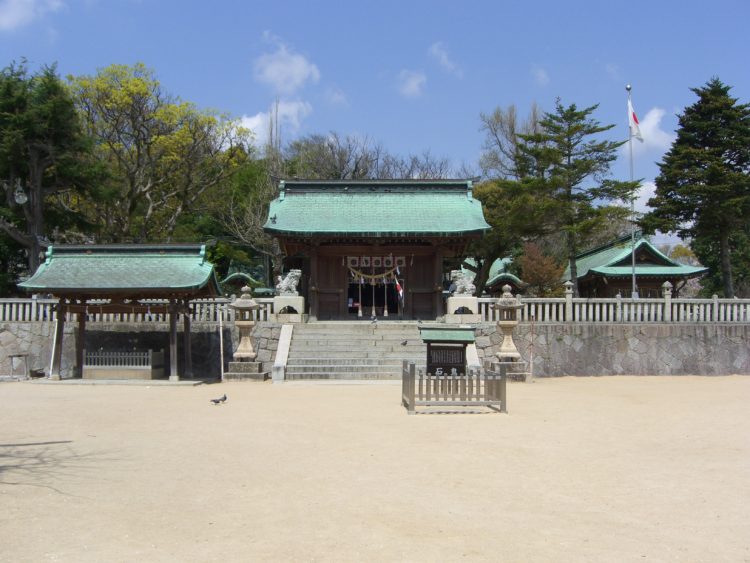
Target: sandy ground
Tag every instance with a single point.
(590, 469)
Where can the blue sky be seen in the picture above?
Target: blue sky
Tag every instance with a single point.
(411, 75)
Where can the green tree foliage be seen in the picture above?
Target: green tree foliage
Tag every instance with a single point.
(516, 211)
(573, 164)
(162, 154)
(703, 189)
(43, 156)
(708, 251)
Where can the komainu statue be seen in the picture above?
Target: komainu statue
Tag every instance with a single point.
(464, 285)
(288, 285)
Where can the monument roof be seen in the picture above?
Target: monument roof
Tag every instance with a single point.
(125, 269)
(376, 208)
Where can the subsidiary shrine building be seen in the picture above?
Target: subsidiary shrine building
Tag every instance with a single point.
(373, 247)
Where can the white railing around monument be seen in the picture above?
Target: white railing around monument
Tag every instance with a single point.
(541, 310)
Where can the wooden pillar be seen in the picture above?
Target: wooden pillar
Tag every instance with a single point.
(173, 342)
(79, 342)
(438, 297)
(314, 284)
(57, 343)
(188, 368)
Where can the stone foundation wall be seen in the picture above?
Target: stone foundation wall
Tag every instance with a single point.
(559, 349)
(35, 339)
(625, 349)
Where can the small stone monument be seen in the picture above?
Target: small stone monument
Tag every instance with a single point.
(288, 304)
(462, 306)
(244, 366)
(507, 307)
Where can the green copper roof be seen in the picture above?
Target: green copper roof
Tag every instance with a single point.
(125, 269)
(430, 334)
(497, 274)
(376, 208)
(614, 259)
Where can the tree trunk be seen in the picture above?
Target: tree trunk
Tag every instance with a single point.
(483, 274)
(726, 266)
(571, 244)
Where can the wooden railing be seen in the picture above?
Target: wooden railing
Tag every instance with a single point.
(476, 388)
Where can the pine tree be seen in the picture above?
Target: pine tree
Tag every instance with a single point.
(574, 165)
(703, 189)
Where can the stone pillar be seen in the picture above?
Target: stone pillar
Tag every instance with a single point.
(57, 344)
(667, 292)
(568, 301)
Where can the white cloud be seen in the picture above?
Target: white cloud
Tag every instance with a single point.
(290, 117)
(645, 192)
(655, 139)
(411, 83)
(284, 70)
(438, 52)
(613, 71)
(17, 13)
(336, 97)
(540, 75)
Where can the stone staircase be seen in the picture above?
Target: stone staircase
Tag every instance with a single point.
(353, 350)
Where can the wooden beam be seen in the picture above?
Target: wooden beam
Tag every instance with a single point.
(188, 368)
(79, 343)
(173, 376)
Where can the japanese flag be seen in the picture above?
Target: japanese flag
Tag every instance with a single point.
(635, 129)
(400, 290)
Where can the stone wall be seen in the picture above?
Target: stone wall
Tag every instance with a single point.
(625, 349)
(35, 339)
(559, 349)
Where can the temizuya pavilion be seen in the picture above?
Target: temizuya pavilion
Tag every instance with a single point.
(121, 279)
(357, 242)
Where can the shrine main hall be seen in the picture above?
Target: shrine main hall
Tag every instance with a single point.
(374, 247)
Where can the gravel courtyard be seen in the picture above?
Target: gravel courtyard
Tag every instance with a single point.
(581, 469)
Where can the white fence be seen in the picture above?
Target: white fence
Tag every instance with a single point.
(202, 310)
(620, 310)
(549, 310)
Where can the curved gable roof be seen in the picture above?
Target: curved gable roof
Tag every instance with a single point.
(376, 208)
(125, 269)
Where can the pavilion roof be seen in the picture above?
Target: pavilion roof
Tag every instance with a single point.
(125, 269)
(614, 260)
(376, 208)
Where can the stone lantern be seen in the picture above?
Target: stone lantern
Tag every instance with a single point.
(244, 366)
(244, 306)
(507, 307)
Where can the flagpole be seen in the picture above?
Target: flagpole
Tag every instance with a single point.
(634, 291)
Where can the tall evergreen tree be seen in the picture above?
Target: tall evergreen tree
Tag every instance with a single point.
(703, 189)
(574, 164)
(43, 153)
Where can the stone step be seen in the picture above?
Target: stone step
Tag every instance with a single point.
(357, 357)
(342, 375)
(330, 370)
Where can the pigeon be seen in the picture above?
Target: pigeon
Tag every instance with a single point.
(220, 400)
(374, 319)
(404, 343)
